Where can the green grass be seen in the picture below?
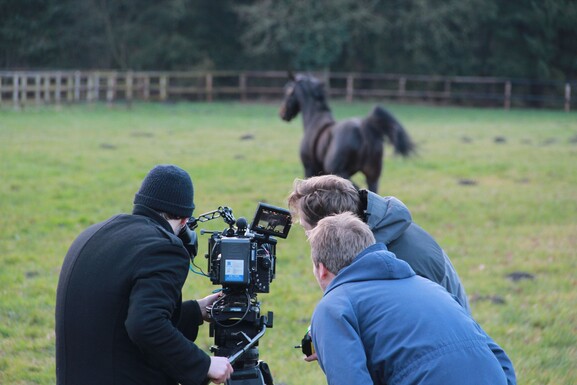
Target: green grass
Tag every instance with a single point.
(63, 169)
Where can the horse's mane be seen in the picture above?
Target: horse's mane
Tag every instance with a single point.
(315, 88)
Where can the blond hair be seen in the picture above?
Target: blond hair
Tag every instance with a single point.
(338, 239)
(317, 197)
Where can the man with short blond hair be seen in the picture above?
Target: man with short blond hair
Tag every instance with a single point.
(380, 323)
(351, 238)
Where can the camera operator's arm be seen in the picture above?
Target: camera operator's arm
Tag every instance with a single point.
(193, 314)
(153, 305)
(207, 302)
(220, 369)
(190, 319)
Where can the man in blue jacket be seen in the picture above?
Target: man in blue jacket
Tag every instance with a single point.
(120, 318)
(389, 219)
(379, 323)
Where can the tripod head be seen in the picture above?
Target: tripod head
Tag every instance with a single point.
(237, 325)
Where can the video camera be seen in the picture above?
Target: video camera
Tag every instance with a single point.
(242, 259)
(245, 258)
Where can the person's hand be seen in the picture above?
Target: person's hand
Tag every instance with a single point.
(205, 302)
(311, 358)
(220, 370)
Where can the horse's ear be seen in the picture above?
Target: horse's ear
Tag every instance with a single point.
(291, 75)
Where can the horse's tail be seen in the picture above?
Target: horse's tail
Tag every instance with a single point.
(386, 124)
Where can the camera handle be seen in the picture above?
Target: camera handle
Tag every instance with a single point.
(250, 343)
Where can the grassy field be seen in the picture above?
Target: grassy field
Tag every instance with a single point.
(498, 189)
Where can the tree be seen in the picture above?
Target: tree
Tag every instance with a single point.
(535, 39)
(24, 38)
(130, 34)
(311, 35)
(429, 37)
(517, 38)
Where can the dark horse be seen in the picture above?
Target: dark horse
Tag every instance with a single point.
(341, 148)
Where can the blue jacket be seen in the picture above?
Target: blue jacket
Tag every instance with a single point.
(379, 323)
(391, 223)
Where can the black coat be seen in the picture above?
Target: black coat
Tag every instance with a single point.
(120, 318)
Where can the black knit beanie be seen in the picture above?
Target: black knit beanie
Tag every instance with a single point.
(167, 188)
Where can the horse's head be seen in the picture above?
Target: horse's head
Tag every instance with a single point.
(290, 106)
(301, 90)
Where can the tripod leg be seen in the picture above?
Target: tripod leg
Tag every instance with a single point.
(266, 374)
(247, 376)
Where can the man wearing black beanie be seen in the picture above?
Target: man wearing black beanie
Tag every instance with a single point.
(120, 318)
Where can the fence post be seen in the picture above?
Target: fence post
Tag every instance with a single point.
(96, 86)
(163, 84)
(209, 87)
(47, 87)
(447, 91)
(508, 87)
(402, 87)
(242, 85)
(24, 89)
(89, 88)
(129, 81)
(15, 81)
(567, 97)
(58, 89)
(146, 87)
(76, 86)
(350, 87)
(70, 88)
(327, 80)
(110, 87)
(37, 88)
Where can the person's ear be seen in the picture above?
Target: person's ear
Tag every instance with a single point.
(322, 270)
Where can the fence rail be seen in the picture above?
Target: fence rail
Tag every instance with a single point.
(19, 88)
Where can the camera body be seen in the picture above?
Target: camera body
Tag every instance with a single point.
(241, 263)
(245, 258)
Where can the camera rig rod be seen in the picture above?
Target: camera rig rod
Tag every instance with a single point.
(222, 212)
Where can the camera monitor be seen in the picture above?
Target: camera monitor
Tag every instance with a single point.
(271, 220)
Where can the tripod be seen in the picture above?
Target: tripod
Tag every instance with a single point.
(237, 327)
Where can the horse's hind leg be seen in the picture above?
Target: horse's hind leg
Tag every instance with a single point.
(373, 184)
(310, 168)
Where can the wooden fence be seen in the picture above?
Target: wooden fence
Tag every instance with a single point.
(19, 88)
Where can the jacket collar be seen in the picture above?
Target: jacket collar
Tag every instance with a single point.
(153, 215)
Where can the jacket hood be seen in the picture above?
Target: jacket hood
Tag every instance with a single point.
(388, 216)
(372, 264)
